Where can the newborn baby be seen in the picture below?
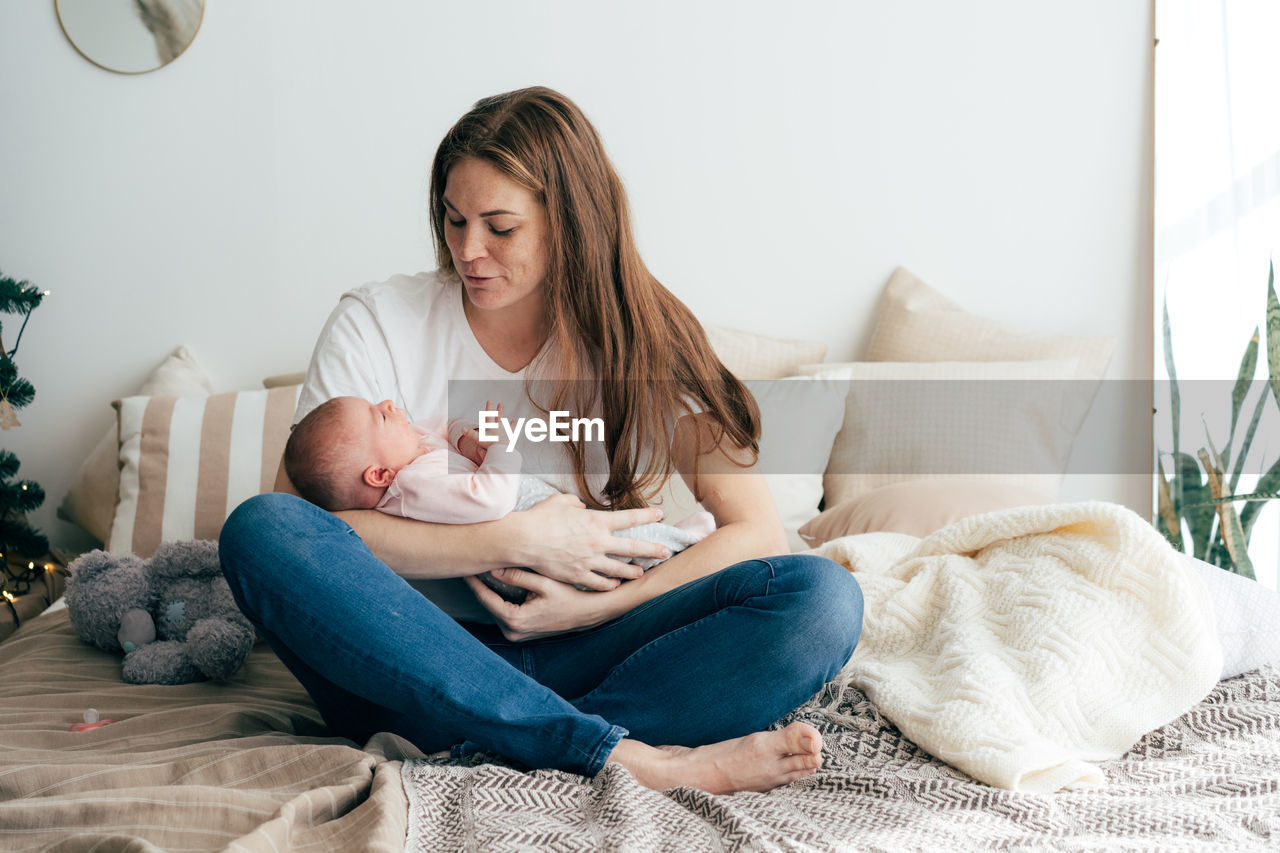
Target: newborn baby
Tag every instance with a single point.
(349, 453)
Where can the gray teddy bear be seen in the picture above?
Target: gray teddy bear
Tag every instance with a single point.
(173, 615)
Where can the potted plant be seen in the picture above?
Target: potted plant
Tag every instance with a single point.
(1200, 491)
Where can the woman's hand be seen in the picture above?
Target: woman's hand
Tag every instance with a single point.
(562, 540)
(551, 607)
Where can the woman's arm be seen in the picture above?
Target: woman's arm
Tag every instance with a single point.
(558, 537)
(747, 527)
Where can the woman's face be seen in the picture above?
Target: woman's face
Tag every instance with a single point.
(496, 231)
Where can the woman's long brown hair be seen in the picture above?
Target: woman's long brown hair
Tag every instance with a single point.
(608, 317)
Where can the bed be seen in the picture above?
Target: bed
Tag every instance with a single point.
(247, 764)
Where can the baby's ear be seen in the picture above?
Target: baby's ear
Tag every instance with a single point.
(378, 477)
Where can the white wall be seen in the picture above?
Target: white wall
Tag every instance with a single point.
(780, 165)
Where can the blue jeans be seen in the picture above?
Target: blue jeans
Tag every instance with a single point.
(719, 657)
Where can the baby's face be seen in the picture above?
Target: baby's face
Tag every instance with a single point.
(384, 432)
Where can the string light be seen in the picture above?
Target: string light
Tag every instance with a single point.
(9, 600)
(18, 581)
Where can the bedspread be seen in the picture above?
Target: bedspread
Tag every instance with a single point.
(1209, 781)
(242, 764)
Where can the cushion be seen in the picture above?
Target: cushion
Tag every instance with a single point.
(1247, 616)
(187, 462)
(917, 323)
(91, 500)
(915, 507)
(282, 379)
(799, 420)
(752, 356)
(985, 420)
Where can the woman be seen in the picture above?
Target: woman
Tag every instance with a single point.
(540, 284)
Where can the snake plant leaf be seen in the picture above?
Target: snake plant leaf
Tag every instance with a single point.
(1218, 467)
(1175, 402)
(1268, 482)
(1211, 471)
(1191, 495)
(1238, 468)
(1229, 527)
(1251, 497)
(1248, 366)
(1218, 555)
(1236, 541)
(1273, 335)
(1167, 520)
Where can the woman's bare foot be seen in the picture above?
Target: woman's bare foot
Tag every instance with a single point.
(757, 762)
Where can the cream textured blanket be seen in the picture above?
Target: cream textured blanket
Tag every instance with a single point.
(1021, 645)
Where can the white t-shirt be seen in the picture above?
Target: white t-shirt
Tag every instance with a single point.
(405, 339)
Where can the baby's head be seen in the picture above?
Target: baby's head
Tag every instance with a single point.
(345, 453)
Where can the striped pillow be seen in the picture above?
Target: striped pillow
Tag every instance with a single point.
(187, 462)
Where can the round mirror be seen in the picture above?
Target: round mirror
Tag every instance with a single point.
(130, 36)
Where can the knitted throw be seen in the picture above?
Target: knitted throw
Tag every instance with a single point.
(1020, 646)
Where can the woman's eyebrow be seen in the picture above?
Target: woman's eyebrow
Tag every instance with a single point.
(449, 204)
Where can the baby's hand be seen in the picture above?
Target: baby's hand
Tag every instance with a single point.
(471, 445)
(489, 406)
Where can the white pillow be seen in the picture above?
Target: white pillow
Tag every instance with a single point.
(187, 462)
(997, 421)
(799, 419)
(1248, 617)
(91, 500)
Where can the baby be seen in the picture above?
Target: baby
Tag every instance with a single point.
(349, 453)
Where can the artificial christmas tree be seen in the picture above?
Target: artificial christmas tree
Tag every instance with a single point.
(17, 497)
(24, 558)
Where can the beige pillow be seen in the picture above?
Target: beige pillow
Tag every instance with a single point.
(917, 508)
(978, 419)
(187, 462)
(91, 500)
(917, 323)
(752, 356)
(282, 379)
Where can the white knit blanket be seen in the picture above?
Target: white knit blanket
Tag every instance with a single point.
(1021, 645)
